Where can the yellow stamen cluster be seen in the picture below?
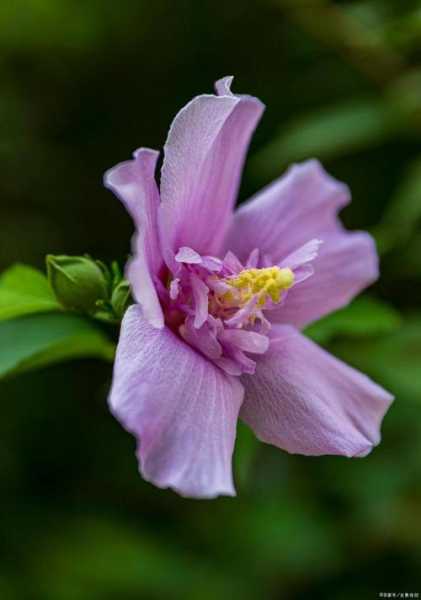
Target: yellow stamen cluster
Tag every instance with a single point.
(266, 283)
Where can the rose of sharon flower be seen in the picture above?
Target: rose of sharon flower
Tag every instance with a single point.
(221, 298)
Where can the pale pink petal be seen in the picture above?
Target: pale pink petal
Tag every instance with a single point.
(134, 183)
(302, 273)
(231, 263)
(204, 339)
(188, 256)
(305, 254)
(247, 364)
(211, 263)
(203, 159)
(218, 285)
(191, 257)
(248, 341)
(253, 259)
(300, 260)
(181, 408)
(345, 265)
(305, 401)
(200, 297)
(144, 290)
(294, 209)
(242, 315)
(174, 288)
(228, 365)
(223, 86)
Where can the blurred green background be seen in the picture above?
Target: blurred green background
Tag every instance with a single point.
(83, 83)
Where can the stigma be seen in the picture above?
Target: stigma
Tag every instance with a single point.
(258, 285)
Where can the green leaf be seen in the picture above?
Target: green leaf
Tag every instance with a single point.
(362, 318)
(24, 290)
(38, 340)
(335, 131)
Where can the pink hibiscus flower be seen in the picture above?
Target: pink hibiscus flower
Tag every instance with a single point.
(221, 298)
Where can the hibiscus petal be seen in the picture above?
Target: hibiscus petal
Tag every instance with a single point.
(295, 208)
(345, 265)
(181, 408)
(304, 400)
(248, 341)
(200, 295)
(303, 255)
(189, 256)
(203, 158)
(223, 86)
(204, 339)
(134, 183)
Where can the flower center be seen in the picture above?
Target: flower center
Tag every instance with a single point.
(239, 299)
(218, 305)
(267, 283)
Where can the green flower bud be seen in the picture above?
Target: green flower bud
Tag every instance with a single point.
(121, 298)
(77, 281)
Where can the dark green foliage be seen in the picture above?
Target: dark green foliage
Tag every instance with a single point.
(82, 85)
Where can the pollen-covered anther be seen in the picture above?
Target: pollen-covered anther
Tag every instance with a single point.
(266, 283)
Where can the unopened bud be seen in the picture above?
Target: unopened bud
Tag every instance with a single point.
(77, 281)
